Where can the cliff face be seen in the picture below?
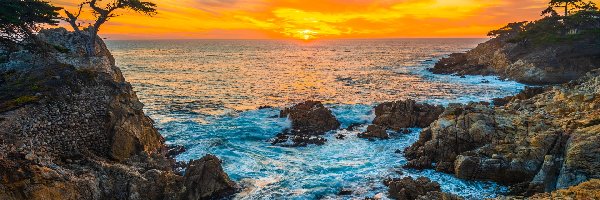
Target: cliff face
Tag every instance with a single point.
(526, 62)
(71, 127)
(537, 144)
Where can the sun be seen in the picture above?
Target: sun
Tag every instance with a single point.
(307, 34)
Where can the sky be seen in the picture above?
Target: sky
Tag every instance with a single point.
(315, 19)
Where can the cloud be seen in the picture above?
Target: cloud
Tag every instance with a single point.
(321, 18)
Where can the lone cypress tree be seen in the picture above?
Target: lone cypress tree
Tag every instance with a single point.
(103, 13)
(19, 19)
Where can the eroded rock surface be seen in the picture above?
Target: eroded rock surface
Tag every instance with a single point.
(71, 127)
(539, 144)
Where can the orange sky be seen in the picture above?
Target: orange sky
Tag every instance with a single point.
(309, 19)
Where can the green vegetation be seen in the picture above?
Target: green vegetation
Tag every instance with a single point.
(19, 19)
(583, 23)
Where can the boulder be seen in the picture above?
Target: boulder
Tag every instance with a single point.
(205, 179)
(408, 188)
(374, 131)
(405, 114)
(310, 120)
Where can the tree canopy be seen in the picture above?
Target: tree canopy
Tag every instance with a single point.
(105, 12)
(21, 18)
(569, 6)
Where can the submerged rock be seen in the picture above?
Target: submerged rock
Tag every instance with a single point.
(408, 188)
(310, 120)
(71, 127)
(405, 114)
(538, 144)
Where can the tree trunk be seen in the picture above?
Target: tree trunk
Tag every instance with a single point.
(566, 9)
(91, 43)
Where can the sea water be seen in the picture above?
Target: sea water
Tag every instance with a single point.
(205, 94)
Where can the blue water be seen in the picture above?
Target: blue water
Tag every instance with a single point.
(204, 95)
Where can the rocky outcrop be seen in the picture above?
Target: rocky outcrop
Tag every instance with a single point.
(421, 188)
(310, 120)
(526, 62)
(72, 128)
(537, 144)
(526, 93)
(208, 173)
(374, 131)
(405, 114)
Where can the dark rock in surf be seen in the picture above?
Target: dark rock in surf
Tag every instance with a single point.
(208, 173)
(374, 131)
(421, 188)
(310, 120)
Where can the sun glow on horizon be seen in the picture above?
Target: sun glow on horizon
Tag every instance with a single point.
(316, 19)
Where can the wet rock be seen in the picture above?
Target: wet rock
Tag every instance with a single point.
(405, 114)
(310, 117)
(374, 131)
(174, 150)
(264, 107)
(310, 120)
(340, 136)
(421, 188)
(206, 179)
(344, 191)
(353, 126)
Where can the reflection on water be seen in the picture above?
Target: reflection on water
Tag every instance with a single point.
(210, 77)
(204, 94)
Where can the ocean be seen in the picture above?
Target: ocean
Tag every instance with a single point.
(205, 95)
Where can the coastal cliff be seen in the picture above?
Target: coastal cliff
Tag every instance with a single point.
(548, 51)
(71, 127)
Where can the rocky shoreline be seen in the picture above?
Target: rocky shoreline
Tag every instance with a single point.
(71, 127)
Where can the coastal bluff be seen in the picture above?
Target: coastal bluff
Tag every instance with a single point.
(71, 127)
(532, 53)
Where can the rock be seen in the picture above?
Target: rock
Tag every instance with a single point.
(86, 136)
(374, 131)
(310, 117)
(264, 107)
(525, 94)
(310, 120)
(353, 126)
(340, 136)
(586, 190)
(547, 63)
(174, 150)
(536, 143)
(205, 179)
(421, 188)
(405, 114)
(344, 191)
